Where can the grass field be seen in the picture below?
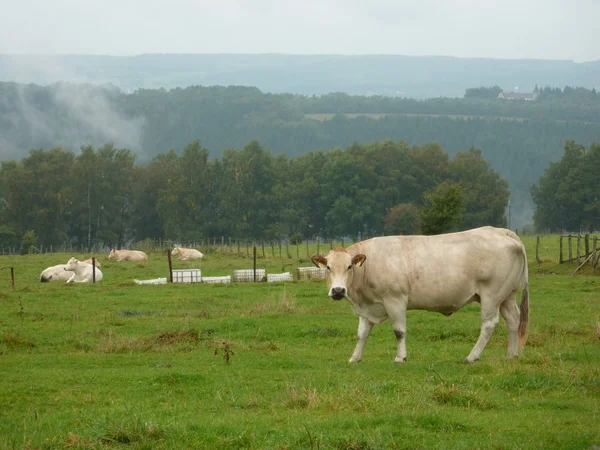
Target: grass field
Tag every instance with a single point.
(264, 366)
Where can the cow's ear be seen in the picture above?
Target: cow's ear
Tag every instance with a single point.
(319, 261)
(359, 260)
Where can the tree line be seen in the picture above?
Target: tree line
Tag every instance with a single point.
(567, 196)
(100, 196)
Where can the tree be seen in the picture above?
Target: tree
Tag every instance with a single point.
(484, 193)
(403, 219)
(554, 209)
(442, 209)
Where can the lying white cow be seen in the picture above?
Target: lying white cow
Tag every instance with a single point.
(89, 261)
(386, 276)
(81, 272)
(55, 273)
(127, 255)
(186, 254)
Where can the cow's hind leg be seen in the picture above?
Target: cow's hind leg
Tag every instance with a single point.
(510, 312)
(490, 316)
(364, 329)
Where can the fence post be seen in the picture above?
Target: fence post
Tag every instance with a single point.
(578, 249)
(93, 269)
(596, 256)
(560, 256)
(570, 251)
(586, 241)
(537, 249)
(254, 258)
(170, 265)
(262, 245)
(318, 244)
(12, 276)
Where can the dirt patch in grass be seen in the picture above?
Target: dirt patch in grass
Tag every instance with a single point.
(176, 337)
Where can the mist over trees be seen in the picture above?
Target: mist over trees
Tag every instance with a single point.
(100, 196)
(517, 138)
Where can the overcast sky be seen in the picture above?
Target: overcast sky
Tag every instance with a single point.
(542, 29)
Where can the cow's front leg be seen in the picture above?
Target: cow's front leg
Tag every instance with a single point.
(398, 316)
(364, 329)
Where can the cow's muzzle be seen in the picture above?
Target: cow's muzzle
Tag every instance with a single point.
(337, 293)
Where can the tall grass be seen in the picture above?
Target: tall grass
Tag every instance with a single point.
(264, 366)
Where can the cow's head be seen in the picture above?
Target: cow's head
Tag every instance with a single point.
(112, 254)
(339, 266)
(71, 265)
(175, 251)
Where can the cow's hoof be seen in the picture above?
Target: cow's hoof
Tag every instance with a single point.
(398, 360)
(352, 360)
(468, 361)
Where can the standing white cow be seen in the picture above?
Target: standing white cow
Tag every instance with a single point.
(386, 276)
(81, 272)
(186, 254)
(127, 255)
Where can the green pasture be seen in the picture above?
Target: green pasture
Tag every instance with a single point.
(264, 366)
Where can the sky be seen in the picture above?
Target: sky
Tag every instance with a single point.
(508, 29)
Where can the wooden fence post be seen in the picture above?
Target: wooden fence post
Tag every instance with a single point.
(586, 242)
(570, 251)
(254, 258)
(537, 249)
(560, 256)
(170, 265)
(578, 249)
(12, 276)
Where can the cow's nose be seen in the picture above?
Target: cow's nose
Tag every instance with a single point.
(338, 293)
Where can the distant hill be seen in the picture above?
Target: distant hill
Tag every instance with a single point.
(394, 75)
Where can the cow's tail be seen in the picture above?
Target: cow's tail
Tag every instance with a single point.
(524, 308)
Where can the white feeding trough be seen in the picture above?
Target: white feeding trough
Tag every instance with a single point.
(247, 275)
(153, 281)
(187, 276)
(310, 273)
(217, 280)
(274, 277)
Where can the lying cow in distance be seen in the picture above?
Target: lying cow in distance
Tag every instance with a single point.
(384, 277)
(127, 255)
(57, 273)
(186, 254)
(81, 272)
(89, 261)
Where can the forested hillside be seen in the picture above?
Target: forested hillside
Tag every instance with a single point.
(391, 75)
(101, 197)
(518, 138)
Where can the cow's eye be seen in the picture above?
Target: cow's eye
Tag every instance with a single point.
(329, 268)
(349, 267)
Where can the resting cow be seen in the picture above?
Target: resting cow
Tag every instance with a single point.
(186, 254)
(127, 255)
(58, 273)
(81, 272)
(386, 276)
(55, 273)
